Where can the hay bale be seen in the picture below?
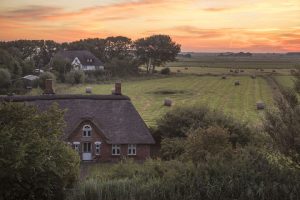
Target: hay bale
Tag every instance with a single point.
(253, 76)
(168, 102)
(273, 70)
(178, 71)
(186, 68)
(260, 105)
(224, 77)
(293, 71)
(231, 70)
(242, 70)
(88, 90)
(237, 82)
(236, 71)
(262, 70)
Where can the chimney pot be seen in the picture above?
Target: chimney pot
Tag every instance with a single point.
(49, 87)
(118, 88)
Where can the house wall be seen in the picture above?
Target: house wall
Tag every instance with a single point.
(142, 150)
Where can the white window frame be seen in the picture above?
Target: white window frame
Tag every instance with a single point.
(115, 149)
(87, 131)
(97, 148)
(131, 149)
(76, 146)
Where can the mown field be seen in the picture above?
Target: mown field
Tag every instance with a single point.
(266, 61)
(148, 95)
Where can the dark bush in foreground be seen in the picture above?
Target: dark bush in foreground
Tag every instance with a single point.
(35, 164)
(165, 71)
(248, 174)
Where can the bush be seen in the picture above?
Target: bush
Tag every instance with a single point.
(165, 71)
(246, 175)
(75, 77)
(181, 121)
(35, 163)
(44, 76)
(5, 80)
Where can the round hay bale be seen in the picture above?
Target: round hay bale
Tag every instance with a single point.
(231, 70)
(253, 76)
(237, 82)
(168, 102)
(260, 105)
(178, 71)
(236, 71)
(293, 71)
(186, 68)
(242, 70)
(273, 70)
(224, 77)
(88, 90)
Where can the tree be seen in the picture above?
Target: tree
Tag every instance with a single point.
(62, 67)
(75, 77)
(117, 47)
(122, 66)
(283, 124)
(5, 80)
(181, 121)
(35, 163)
(156, 50)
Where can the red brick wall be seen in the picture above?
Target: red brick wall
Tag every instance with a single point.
(142, 150)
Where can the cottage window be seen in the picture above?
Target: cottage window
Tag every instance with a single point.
(116, 149)
(132, 149)
(87, 131)
(98, 146)
(76, 146)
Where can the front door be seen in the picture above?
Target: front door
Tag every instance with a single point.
(87, 151)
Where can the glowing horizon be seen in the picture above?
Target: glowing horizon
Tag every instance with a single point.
(206, 26)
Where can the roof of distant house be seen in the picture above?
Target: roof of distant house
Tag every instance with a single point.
(85, 57)
(114, 115)
(30, 77)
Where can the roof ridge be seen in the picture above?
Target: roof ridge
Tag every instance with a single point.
(20, 98)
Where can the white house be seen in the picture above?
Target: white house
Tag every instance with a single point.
(81, 60)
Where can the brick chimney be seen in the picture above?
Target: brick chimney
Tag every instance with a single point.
(49, 87)
(118, 88)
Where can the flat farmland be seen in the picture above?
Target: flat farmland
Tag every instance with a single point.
(148, 95)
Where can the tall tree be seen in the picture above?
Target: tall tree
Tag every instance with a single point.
(117, 47)
(156, 50)
(35, 163)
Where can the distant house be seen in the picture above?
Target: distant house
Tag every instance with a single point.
(30, 81)
(81, 60)
(98, 127)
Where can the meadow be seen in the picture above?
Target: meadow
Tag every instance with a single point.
(212, 60)
(221, 94)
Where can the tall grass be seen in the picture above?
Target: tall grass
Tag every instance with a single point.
(249, 175)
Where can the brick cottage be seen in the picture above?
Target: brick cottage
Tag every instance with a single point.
(98, 127)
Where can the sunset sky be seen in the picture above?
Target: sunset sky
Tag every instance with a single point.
(198, 25)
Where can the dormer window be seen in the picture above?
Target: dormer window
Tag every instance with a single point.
(87, 131)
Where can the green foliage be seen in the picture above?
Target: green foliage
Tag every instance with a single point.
(44, 76)
(122, 66)
(179, 122)
(283, 124)
(156, 50)
(5, 80)
(172, 148)
(165, 71)
(62, 67)
(244, 175)
(75, 77)
(35, 163)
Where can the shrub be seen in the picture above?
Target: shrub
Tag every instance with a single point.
(44, 76)
(165, 71)
(75, 77)
(35, 163)
(179, 122)
(172, 148)
(5, 80)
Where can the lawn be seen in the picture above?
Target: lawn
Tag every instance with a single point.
(285, 81)
(148, 95)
